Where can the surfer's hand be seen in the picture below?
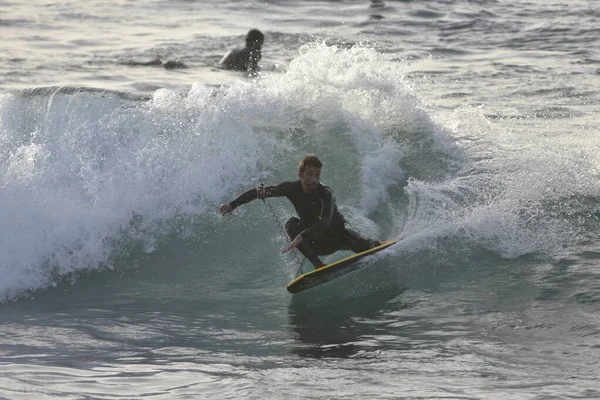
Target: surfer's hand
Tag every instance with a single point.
(225, 208)
(294, 243)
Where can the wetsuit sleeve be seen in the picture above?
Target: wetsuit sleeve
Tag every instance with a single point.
(327, 207)
(283, 189)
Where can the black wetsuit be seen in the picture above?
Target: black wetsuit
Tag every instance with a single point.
(321, 224)
(245, 59)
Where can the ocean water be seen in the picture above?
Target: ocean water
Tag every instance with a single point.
(467, 130)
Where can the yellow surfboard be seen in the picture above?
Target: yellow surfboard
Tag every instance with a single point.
(333, 270)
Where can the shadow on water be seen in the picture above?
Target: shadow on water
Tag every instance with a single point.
(330, 322)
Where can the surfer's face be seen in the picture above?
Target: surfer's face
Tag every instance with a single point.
(310, 178)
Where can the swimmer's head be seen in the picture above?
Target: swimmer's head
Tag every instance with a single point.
(255, 38)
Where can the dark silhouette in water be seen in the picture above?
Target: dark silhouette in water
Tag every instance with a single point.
(245, 59)
(158, 63)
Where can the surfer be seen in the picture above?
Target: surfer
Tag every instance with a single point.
(321, 228)
(245, 59)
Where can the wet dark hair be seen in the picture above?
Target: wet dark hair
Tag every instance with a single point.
(309, 161)
(254, 35)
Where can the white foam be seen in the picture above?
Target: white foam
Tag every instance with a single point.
(79, 167)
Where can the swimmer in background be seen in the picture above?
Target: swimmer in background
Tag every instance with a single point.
(246, 59)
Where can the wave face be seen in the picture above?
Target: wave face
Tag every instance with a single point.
(96, 179)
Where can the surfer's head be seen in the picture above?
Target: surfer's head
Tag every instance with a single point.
(309, 172)
(255, 38)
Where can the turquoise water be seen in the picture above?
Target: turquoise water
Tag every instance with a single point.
(466, 130)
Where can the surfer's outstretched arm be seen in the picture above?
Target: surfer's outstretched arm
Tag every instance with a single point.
(257, 193)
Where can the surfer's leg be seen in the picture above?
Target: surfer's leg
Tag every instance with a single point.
(293, 227)
(357, 243)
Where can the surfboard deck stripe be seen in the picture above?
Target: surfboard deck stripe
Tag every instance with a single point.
(333, 270)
